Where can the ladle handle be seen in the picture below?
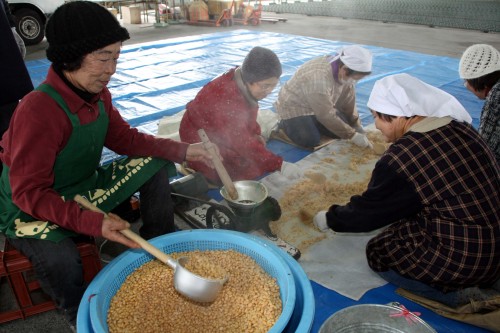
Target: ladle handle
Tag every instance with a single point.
(131, 235)
(219, 167)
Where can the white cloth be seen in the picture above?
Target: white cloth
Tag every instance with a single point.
(268, 121)
(168, 126)
(403, 95)
(291, 171)
(356, 58)
(338, 262)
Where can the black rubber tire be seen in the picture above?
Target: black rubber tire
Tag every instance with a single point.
(30, 26)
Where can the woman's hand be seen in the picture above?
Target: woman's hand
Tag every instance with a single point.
(200, 152)
(111, 226)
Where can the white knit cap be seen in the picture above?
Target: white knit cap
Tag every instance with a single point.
(356, 58)
(403, 95)
(479, 60)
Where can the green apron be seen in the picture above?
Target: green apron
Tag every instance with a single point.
(77, 171)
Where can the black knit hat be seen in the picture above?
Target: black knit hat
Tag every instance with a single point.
(260, 64)
(78, 28)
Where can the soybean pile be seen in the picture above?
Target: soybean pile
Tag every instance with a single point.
(147, 301)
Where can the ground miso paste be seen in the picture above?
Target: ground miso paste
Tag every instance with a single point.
(147, 301)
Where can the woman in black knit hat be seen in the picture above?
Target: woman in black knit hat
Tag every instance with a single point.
(227, 109)
(52, 151)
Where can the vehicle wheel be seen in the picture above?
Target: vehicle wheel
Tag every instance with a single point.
(30, 26)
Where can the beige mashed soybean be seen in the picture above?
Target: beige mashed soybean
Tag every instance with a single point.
(147, 301)
(344, 173)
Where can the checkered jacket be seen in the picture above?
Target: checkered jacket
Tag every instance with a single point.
(489, 126)
(454, 241)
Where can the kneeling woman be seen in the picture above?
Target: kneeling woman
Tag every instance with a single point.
(435, 189)
(227, 108)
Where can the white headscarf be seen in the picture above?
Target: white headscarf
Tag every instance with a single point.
(403, 95)
(356, 58)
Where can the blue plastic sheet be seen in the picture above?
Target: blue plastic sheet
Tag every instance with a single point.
(157, 79)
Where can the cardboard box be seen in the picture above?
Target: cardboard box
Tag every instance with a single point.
(131, 14)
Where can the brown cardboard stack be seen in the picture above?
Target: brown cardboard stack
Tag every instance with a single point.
(131, 14)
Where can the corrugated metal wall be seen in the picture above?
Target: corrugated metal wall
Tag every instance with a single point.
(471, 14)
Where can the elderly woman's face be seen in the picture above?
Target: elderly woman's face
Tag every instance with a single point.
(96, 70)
(391, 130)
(261, 89)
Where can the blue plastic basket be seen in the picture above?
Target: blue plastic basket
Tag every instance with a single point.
(109, 281)
(305, 305)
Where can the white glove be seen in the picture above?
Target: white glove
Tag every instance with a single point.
(20, 42)
(291, 171)
(319, 221)
(361, 140)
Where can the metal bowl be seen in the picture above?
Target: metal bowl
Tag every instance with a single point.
(251, 194)
(374, 318)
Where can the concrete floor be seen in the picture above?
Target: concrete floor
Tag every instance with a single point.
(422, 39)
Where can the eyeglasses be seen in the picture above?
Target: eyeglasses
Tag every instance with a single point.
(267, 86)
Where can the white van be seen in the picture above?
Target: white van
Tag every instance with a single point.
(31, 17)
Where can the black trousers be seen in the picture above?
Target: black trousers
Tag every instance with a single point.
(157, 207)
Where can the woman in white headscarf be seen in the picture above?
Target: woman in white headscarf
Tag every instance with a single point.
(320, 98)
(435, 191)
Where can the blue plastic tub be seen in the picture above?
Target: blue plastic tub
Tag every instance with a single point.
(303, 314)
(302, 317)
(97, 298)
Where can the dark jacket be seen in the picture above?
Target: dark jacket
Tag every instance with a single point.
(15, 82)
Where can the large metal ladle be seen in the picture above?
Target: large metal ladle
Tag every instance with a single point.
(192, 286)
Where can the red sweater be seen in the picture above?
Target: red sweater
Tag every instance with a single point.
(230, 121)
(40, 129)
